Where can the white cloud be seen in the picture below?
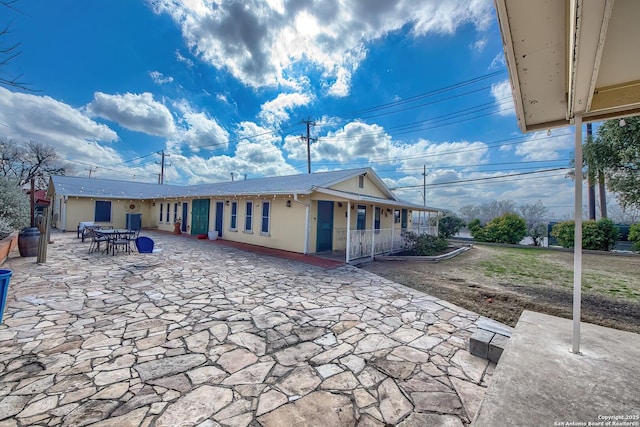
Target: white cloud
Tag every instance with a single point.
(261, 43)
(159, 78)
(181, 58)
(198, 130)
(139, 112)
(59, 125)
(539, 146)
(79, 141)
(479, 45)
(498, 61)
(501, 93)
(254, 156)
(276, 111)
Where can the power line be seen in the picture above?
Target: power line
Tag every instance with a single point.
(488, 178)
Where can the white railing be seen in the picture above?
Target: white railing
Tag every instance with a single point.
(425, 229)
(367, 243)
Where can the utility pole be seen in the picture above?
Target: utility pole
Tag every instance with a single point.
(308, 138)
(162, 165)
(424, 189)
(91, 170)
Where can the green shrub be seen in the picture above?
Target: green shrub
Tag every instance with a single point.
(634, 236)
(598, 235)
(423, 244)
(608, 234)
(449, 225)
(15, 211)
(508, 228)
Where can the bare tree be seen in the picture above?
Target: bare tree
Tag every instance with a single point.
(9, 51)
(487, 211)
(534, 216)
(31, 160)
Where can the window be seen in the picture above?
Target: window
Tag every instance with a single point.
(234, 215)
(396, 216)
(376, 220)
(361, 181)
(361, 222)
(175, 212)
(266, 208)
(248, 219)
(103, 211)
(168, 211)
(161, 205)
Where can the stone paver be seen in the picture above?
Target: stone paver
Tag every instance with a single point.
(204, 334)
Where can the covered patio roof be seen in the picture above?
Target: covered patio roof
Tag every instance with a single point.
(568, 57)
(572, 61)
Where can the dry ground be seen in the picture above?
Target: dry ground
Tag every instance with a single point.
(500, 283)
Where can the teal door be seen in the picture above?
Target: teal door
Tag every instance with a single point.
(324, 238)
(200, 217)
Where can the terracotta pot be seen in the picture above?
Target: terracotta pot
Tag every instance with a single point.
(176, 228)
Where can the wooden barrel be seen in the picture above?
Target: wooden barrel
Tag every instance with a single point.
(28, 242)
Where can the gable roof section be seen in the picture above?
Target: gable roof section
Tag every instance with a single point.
(73, 186)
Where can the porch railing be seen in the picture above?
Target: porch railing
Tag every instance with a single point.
(367, 243)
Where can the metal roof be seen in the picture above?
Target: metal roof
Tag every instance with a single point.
(302, 184)
(568, 57)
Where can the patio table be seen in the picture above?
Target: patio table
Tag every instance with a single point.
(116, 236)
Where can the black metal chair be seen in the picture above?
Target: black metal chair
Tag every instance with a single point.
(96, 239)
(122, 242)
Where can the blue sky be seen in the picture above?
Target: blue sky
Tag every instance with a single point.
(223, 87)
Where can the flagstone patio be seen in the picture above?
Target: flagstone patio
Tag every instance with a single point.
(206, 334)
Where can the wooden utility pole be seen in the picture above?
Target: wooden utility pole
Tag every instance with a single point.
(162, 165)
(308, 138)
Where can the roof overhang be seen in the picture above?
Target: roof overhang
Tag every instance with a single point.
(378, 201)
(568, 57)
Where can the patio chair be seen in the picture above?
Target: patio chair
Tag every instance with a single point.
(96, 239)
(120, 243)
(144, 245)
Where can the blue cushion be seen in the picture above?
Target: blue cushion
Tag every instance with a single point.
(144, 245)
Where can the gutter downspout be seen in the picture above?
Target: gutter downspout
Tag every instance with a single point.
(307, 222)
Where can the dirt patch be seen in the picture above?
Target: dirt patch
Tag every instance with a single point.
(500, 283)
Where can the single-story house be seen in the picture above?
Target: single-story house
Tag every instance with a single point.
(347, 210)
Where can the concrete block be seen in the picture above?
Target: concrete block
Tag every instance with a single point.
(496, 347)
(479, 343)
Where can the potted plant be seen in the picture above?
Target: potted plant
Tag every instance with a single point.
(177, 226)
(15, 214)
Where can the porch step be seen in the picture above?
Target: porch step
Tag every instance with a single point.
(490, 339)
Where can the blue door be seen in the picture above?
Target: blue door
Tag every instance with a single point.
(324, 238)
(185, 215)
(219, 210)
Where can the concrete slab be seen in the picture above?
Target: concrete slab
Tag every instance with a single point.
(494, 326)
(540, 382)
